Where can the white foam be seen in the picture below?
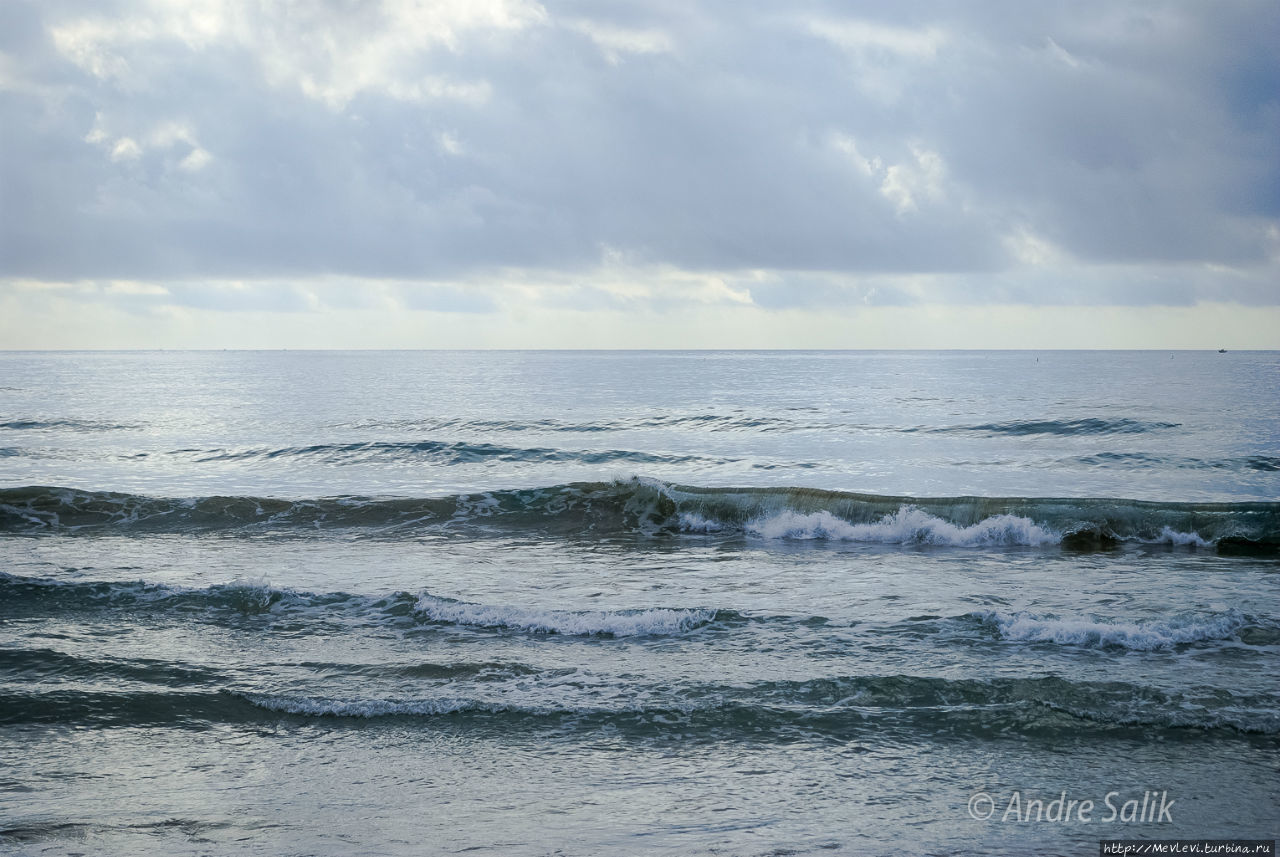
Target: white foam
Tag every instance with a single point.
(483, 506)
(1170, 536)
(909, 525)
(1138, 636)
(692, 522)
(620, 623)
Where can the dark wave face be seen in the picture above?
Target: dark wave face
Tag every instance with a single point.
(722, 422)
(438, 452)
(685, 422)
(838, 710)
(654, 508)
(1086, 426)
(65, 424)
(1149, 461)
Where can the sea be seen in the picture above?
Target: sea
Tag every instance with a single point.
(637, 603)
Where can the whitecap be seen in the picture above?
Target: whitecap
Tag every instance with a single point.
(909, 525)
(617, 623)
(1137, 636)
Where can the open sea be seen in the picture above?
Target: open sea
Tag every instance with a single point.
(637, 603)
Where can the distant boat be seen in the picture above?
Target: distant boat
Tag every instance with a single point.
(1222, 351)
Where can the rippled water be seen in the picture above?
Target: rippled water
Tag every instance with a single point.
(638, 603)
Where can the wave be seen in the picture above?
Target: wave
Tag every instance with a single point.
(645, 506)
(840, 705)
(1087, 426)
(1145, 461)
(612, 623)
(1143, 636)
(439, 452)
(238, 603)
(42, 596)
(711, 422)
(835, 707)
(65, 425)
(50, 664)
(908, 525)
(743, 422)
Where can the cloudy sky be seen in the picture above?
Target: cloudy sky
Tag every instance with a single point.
(700, 173)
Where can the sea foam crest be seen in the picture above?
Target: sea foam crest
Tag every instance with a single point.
(616, 623)
(692, 522)
(908, 525)
(1170, 536)
(1137, 636)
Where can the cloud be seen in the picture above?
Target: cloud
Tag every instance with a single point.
(616, 43)
(489, 154)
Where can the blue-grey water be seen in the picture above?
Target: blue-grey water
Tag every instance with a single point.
(534, 603)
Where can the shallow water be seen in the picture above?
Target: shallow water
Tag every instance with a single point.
(642, 603)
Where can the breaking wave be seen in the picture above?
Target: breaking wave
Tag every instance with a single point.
(613, 623)
(1142, 636)
(650, 507)
(908, 525)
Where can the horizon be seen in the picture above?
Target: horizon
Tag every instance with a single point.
(571, 350)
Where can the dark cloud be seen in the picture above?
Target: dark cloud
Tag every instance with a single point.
(143, 142)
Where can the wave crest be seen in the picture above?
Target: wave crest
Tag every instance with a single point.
(908, 525)
(588, 623)
(1135, 636)
(651, 507)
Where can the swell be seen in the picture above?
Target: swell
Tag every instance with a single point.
(44, 664)
(711, 422)
(1142, 635)
(231, 603)
(841, 705)
(650, 507)
(41, 596)
(438, 452)
(56, 424)
(1150, 461)
(1086, 426)
(832, 708)
(742, 422)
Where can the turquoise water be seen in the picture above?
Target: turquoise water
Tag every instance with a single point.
(634, 603)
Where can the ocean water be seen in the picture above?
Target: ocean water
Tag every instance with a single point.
(708, 603)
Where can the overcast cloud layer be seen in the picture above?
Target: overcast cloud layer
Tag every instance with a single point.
(494, 157)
